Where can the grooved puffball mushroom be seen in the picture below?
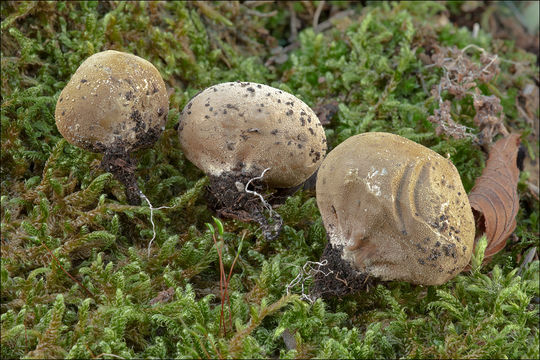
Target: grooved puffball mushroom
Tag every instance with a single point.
(393, 210)
(234, 131)
(115, 103)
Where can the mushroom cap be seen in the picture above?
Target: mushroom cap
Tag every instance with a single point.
(397, 209)
(247, 127)
(115, 102)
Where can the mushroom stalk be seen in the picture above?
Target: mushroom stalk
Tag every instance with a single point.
(123, 166)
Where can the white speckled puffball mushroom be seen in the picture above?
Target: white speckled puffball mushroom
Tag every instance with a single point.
(244, 127)
(114, 102)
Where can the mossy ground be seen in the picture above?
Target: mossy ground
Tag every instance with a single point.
(76, 279)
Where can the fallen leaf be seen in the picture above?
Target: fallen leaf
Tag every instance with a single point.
(494, 197)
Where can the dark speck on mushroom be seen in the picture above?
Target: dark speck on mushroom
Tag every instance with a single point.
(289, 113)
(84, 80)
(251, 89)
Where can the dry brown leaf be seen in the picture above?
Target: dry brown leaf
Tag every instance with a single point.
(494, 197)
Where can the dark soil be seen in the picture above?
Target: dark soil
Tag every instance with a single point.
(122, 166)
(226, 196)
(340, 279)
(117, 159)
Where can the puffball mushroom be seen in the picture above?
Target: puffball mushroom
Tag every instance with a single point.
(115, 103)
(235, 131)
(393, 210)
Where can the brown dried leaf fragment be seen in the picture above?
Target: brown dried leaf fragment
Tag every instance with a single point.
(489, 117)
(164, 296)
(442, 117)
(494, 197)
(461, 78)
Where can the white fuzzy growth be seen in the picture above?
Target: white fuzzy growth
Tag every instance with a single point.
(152, 218)
(373, 180)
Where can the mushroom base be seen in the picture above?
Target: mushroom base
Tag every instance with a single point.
(227, 196)
(337, 277)
(122, 166)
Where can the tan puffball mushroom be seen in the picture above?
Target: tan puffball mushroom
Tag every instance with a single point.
(234, 131)
(115, 103)
(393, 210)
(244, 126)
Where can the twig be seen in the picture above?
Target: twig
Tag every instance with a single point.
(500, 59)
(328, 23)
(293, 23)
(111, 355)
(529, 256)
(255, 3)
(261, 14)
(317, 15)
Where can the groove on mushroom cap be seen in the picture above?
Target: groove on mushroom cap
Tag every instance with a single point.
(248, 127)
(396, 208)
(114, 102)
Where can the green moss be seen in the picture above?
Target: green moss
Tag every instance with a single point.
(76, 278)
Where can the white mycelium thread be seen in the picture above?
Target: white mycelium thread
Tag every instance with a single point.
(152, 218)
(307, 272)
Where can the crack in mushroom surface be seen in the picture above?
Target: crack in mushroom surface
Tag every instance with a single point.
(394, 210)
